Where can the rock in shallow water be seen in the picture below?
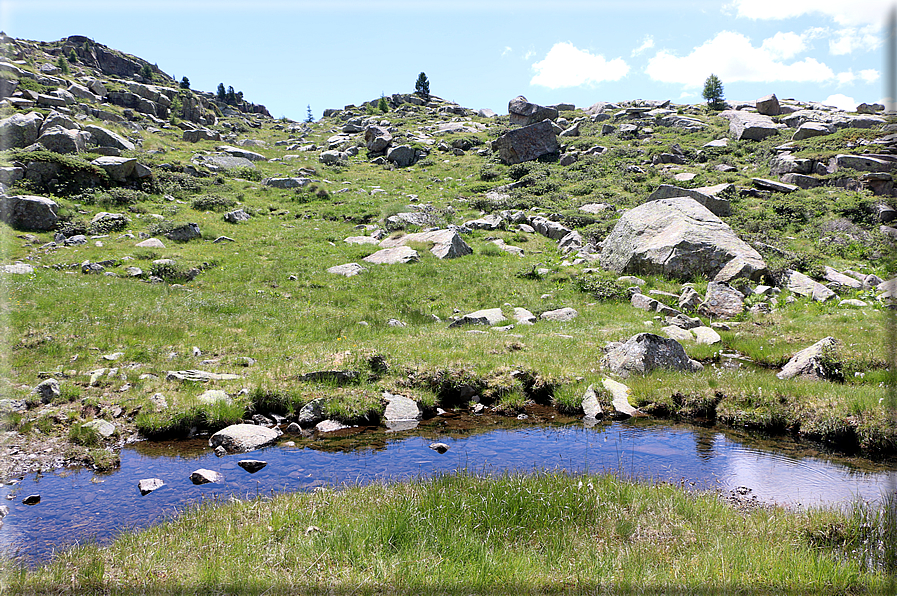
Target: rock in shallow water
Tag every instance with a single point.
(238, 438)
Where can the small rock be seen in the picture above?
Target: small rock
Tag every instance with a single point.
(203, 476)
(31, 500)
(561, 315)
(252, 465)
(439, 447)
(148, 485)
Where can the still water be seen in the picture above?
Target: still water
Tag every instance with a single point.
(79, 506)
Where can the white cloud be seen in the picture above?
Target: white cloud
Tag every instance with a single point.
(846, 78)
(733, 58)
(849, 40)
(869, 75)
(647, 44)
(567, 66)
(506, 51)
(529, 55)
(841, 101)
(784, 45)
(844, 12)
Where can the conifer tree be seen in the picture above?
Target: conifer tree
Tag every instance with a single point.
(713, 92)
(422, 87)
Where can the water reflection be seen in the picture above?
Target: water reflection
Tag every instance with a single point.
(78, 506)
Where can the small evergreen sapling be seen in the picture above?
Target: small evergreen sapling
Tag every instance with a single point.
(309, 117)
(713, 92)
(422, 87)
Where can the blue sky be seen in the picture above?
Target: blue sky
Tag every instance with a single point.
(482, 53)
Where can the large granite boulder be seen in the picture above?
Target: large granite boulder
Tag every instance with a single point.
(403, 156)
(749, 125)
(447, 244)
(62, 140)
(119, 169)
(523, 113)
(644, 352)
(527, 143)
(678, 238)
(377, 139)
(239, 438)
(20, 130)
(29, 212)
(768, 105)
(800, 284)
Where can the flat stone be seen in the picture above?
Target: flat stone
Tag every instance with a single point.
(447, 244)
(706, 336)
(772, 185)
(393, 256)
(199, 376)
(17, 269)
(677, 333)
(239, 438)
(523, 316)
(252, 465)
(204, 476)
(488, 316)
(561, 315)
(361, 240)
(102, 427)
(347, 270)
(399, 407)
(620, 394)
(329, 426)
(800, 284)
(148, 485)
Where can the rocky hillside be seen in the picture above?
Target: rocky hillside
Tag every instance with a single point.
(159, 240)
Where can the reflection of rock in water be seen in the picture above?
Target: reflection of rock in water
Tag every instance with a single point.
(704, 444)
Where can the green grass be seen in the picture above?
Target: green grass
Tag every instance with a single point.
(461, 533)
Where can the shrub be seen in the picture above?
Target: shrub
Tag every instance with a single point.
(83, 435)
(603, 286)
(212, 203)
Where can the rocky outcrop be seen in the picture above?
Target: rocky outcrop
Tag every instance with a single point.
(712, 197)
(749, 125)
(447, 244)
(20, 130)
(819, 361)
(678, 238)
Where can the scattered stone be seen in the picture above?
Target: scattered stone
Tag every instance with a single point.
(150, 243)
(236, 216)
(393, 256)
(523, 316)
(591, 407)
(148, 485)
(800, 284)
(184, 233)
(853, 302)
(400, 408)
(439, 447)
(239, 438)
(102, 427)
(561, 315)
(645, 352)
(489, 316)
(773, 186)
(347, 270)
(159, 402)
(214, 396)
(252, 465)
(447, 244)
(706, 335)
(199, 376)
(677, 333)
(527, 143)
(768, 105)
(203, 476)
(47, 390)
(31, 500)
(329, 426)
(17, 269)
(620, 394)
(723, 301)
(819, 361)
(30, 213)
(312, 412)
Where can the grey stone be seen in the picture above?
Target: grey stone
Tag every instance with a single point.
(392, 256)
(312, 412)
(148, 485)
(198, 376)
(773, 186)
(347, 270)
(722, 301)
(244, 153)
(286, 182)
(591, 407)
(20, 130)
(527, 143)
(28, 212)
(159, 402)
(377, 139)
(488, 316)
(561, 315)
(17, 269)
(839, 278)
(63, 140)
(768, 105)
(678, 238)
(523, 113)
(819, 361)
(47, 390)
(750, 126)
(644, 352)
(106, 138)
(689, 300)
(102, 427)
(800, 284)
(677, 333)
(403, 156)
(200, 134)
(236, 216)
(523, 316)
(708, 196)
(239, 438)
(399, 407)
(706, 335)
(252, 465)
(184, 233)
(808, 130)
(620, 399)
(801, 180)
(222, 162)
(439, 447)
(329, 426)
(214, 396)
(204, 476)
(150, 243)
(548, 228)
(447, 244)
(861, 163)
(119, 169)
